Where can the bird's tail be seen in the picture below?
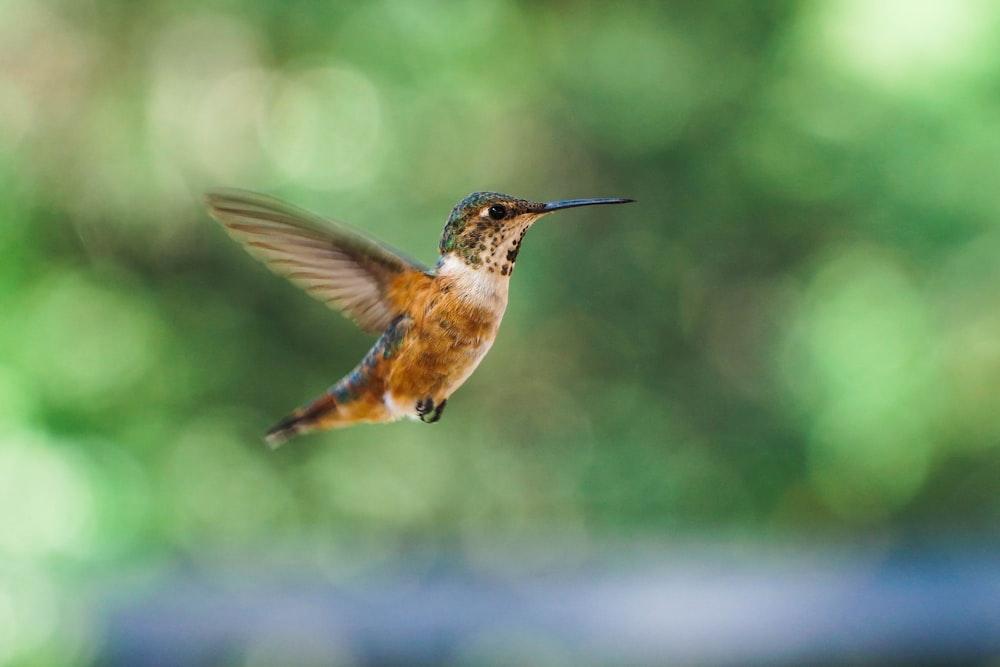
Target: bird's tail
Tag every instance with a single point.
(303, 420)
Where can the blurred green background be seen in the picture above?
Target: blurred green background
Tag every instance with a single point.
(793, 336)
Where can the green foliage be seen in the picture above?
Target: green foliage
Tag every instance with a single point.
(795, 332)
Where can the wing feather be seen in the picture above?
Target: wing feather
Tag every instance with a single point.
(341, 266)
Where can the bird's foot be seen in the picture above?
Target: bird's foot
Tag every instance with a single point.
(428, 411)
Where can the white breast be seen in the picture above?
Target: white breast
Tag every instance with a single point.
(483, 289)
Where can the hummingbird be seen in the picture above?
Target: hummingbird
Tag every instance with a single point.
(434, 324)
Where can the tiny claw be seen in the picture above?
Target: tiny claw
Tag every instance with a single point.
(436, 415)
(424, 405)
(428, 411)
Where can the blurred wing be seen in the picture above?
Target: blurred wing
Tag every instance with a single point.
(340, 266)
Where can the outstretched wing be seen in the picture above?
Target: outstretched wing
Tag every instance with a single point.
(341, 266)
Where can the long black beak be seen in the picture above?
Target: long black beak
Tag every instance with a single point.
(572, 203)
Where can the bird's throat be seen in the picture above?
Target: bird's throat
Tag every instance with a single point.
(478, 285)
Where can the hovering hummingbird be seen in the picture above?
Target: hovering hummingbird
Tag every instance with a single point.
(435, 323)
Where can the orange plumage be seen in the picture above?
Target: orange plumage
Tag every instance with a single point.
(436, 323)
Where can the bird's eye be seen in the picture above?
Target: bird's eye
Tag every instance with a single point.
(498, 211)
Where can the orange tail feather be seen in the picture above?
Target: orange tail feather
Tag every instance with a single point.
(302, 421)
